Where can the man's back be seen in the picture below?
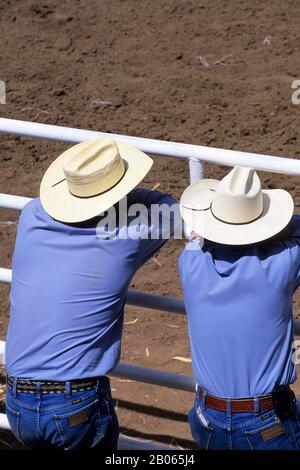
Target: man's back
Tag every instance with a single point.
(68, 293)
(239, 304)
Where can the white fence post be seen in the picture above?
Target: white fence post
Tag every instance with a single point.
(2, 92)
(196, 170)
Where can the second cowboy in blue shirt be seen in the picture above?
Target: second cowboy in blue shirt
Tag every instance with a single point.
(239, 272)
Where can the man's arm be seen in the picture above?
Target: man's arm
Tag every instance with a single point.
(163, 217)
(293, 243)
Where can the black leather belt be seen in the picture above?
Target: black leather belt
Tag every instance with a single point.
(32, 386)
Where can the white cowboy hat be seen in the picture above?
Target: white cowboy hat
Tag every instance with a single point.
(235, 210)
(90, 177)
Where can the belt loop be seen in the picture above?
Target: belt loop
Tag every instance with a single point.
(228, 407)
(203, 404)
(68, 389)
(256, 407)
(38, 390)
(197, 393)
(15, 387)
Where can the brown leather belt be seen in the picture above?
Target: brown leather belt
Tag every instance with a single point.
(243, 405)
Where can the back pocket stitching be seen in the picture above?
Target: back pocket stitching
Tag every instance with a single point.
(75, 412)
(17, 415)
(208, 428)
(277, 421)
(61, 433)
(263, 428)
(59, 426)
(292, 432)
(99, 430)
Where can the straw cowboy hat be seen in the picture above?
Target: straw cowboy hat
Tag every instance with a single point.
(89, 178)
(235, 210)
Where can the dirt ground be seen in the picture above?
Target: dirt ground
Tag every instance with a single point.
(211, 73)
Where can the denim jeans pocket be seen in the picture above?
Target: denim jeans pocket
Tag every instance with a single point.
(272, 435)
(200, 428)
(13, 417)
(80, 429)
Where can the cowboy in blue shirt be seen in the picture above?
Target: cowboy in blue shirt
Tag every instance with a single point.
(71, 271)
(239, 272)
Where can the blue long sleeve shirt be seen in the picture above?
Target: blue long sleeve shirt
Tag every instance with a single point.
(239, 307)
(69, 287)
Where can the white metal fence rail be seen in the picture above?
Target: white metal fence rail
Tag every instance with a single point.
(195, 154)
(199, 153)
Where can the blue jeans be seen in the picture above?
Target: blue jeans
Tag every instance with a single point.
(259, 430)
(64, 421)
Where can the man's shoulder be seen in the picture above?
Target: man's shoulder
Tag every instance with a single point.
(295, 226)
(193, 250)
(32, 211)
(150, 196)
(31, 206)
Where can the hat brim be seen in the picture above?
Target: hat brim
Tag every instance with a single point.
(63, 206)
(278, 208)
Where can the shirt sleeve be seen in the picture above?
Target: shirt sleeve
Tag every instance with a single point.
(163, 217)
(295, 228)
(294, 245)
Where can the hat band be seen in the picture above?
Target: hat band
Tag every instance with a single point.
(97, 184)
(77, 179)
(235, 223)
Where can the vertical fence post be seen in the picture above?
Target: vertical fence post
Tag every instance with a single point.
(196, 170)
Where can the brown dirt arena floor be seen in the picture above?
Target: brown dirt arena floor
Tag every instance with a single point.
(62, 60)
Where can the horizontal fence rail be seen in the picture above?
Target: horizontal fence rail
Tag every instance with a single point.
(145, 300)
(142, 374)
(132, 372)
(220, 156)
(134, 298)
(9, 201)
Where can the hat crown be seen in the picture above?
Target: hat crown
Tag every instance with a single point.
(93, 167)
(238, 198)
